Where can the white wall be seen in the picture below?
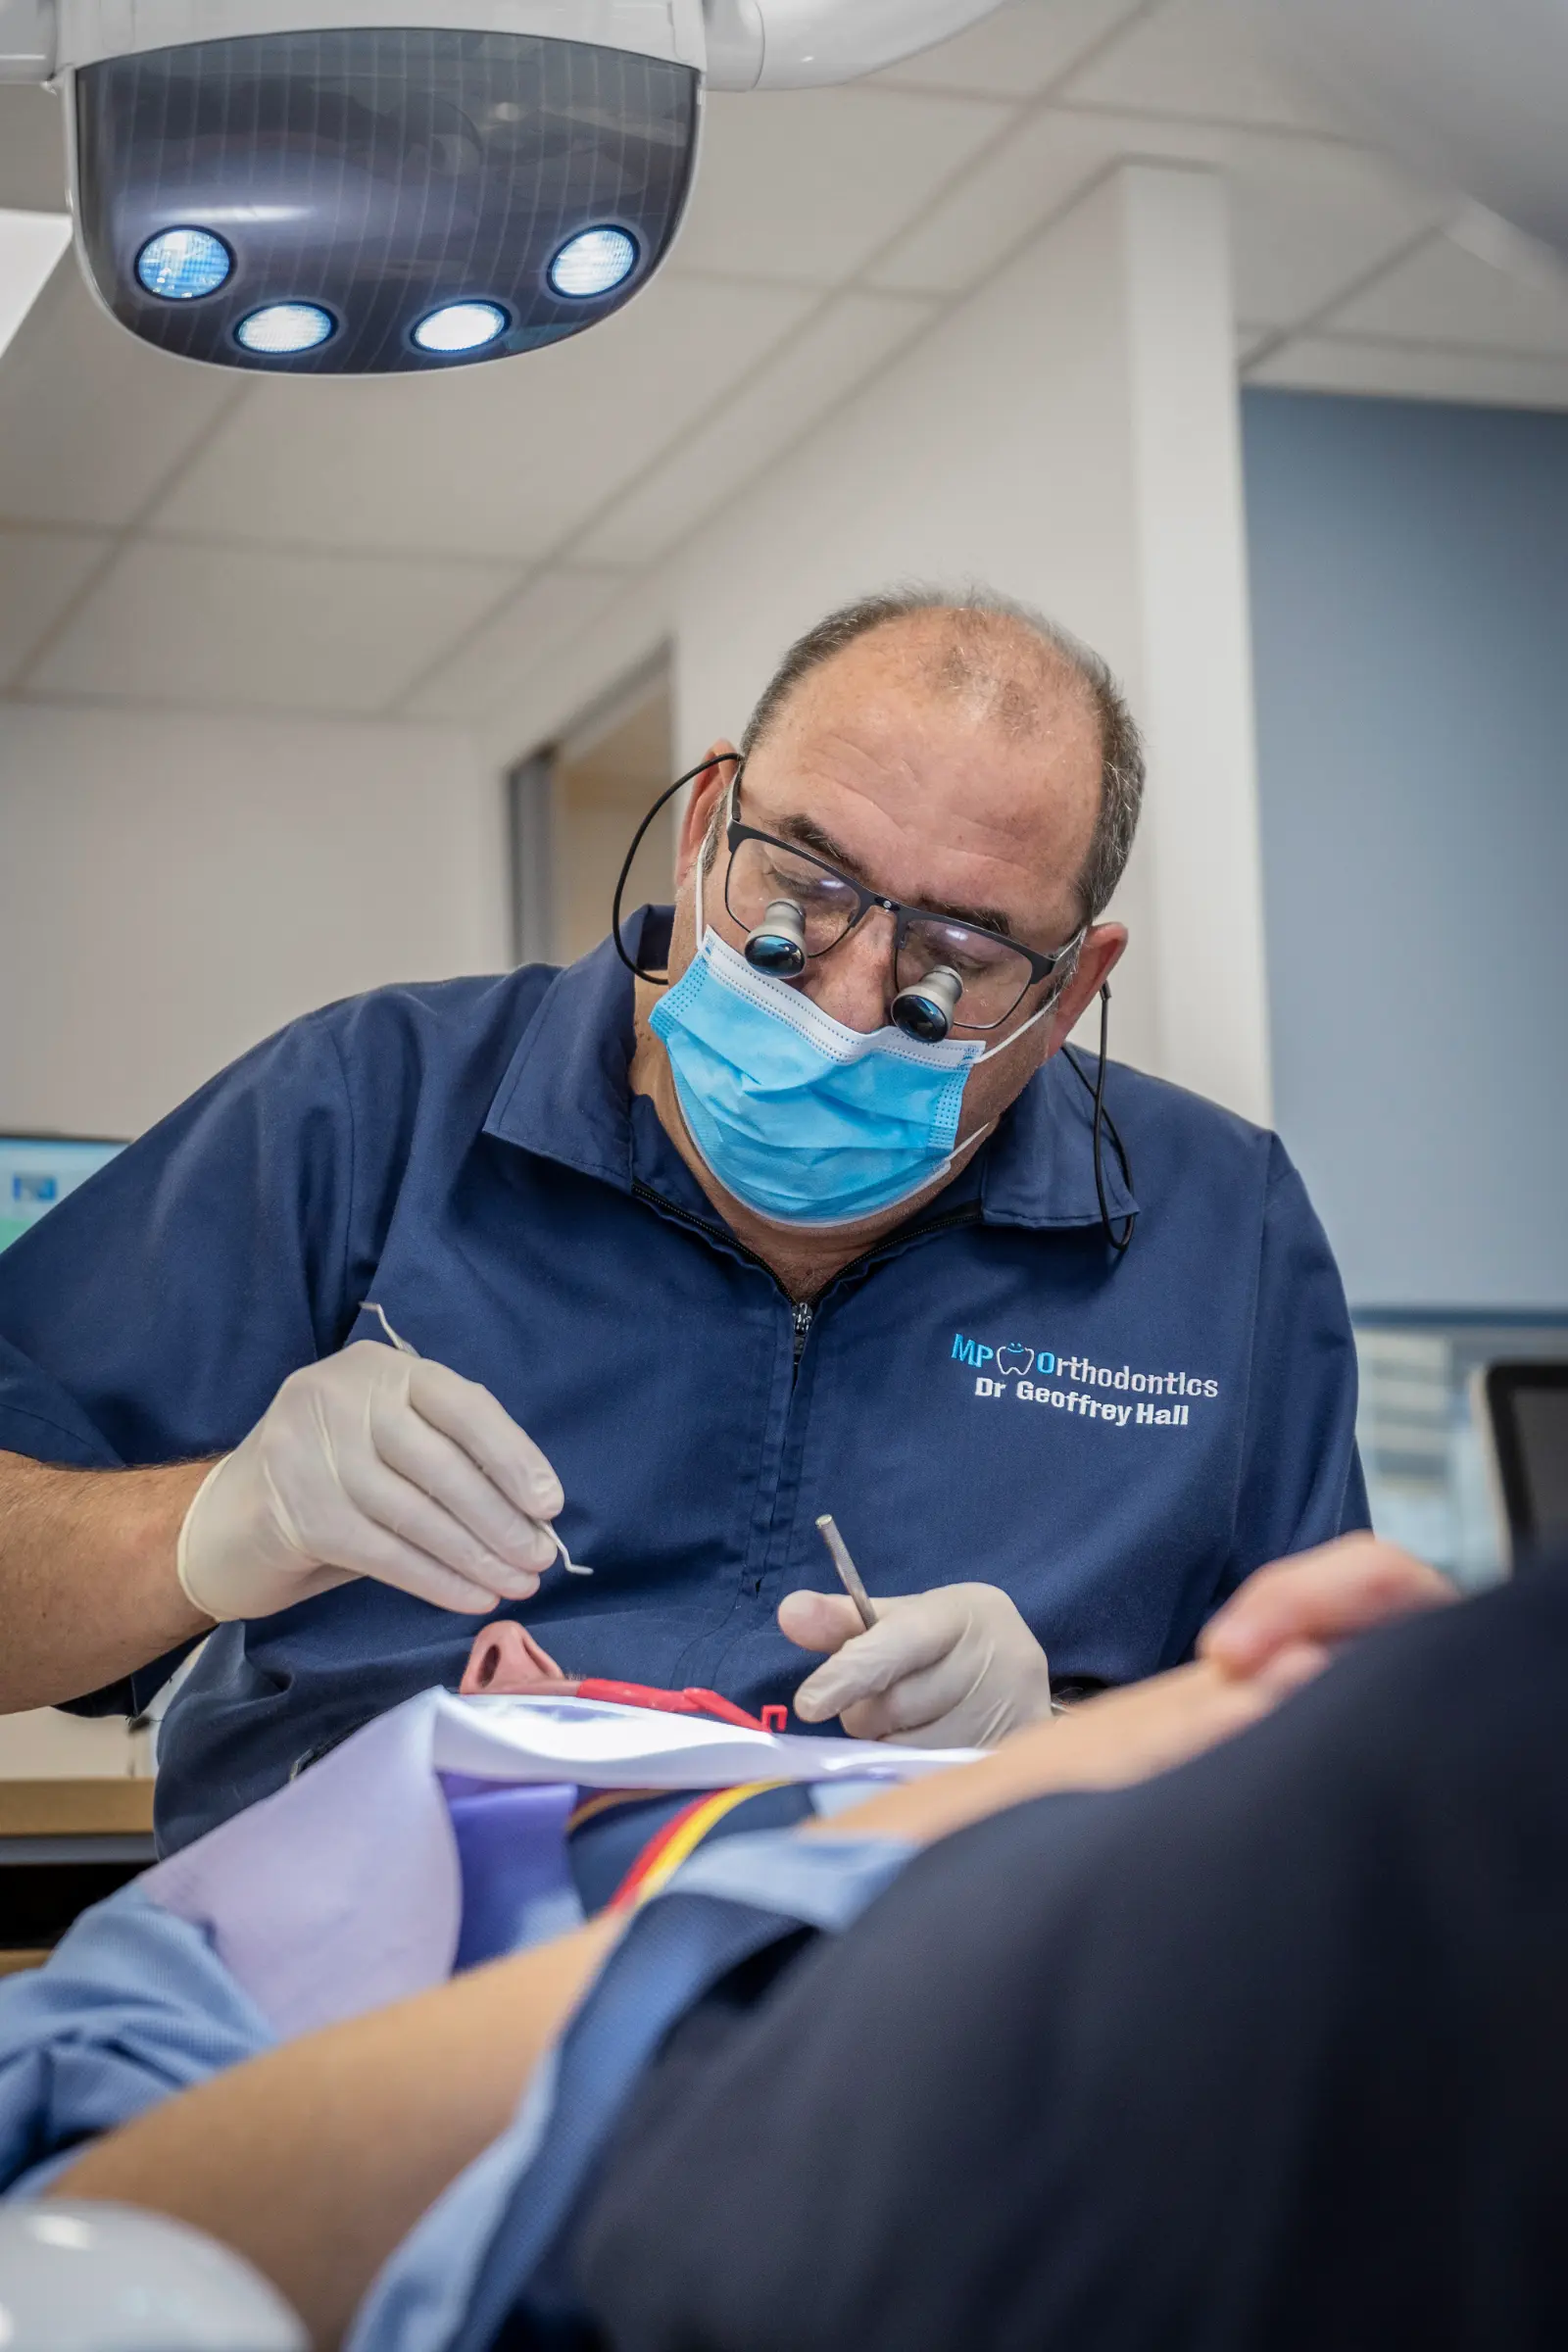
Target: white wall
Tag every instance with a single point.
(1068, 435)
(174, 887)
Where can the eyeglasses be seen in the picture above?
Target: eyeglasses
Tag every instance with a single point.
(995, 973)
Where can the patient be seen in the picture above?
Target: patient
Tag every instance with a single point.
(1264, 2051)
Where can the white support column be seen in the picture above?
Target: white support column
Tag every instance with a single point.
(1203, 859)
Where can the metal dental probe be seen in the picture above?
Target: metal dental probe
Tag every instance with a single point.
(847, 1573)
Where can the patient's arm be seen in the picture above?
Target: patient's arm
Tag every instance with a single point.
(315, 2160)
(1122, 1735)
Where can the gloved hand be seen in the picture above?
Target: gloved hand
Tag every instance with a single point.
(379, 1464)
(952, 1668)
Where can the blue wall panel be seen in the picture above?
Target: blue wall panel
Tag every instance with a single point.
(1409, 569)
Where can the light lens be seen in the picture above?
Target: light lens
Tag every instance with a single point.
(179, 265)
(286, 326)
(461, 326)
(594, 262)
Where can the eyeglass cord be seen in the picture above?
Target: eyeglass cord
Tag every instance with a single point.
(690, 777)
(1105, 1125)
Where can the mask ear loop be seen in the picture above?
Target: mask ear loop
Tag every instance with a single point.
(1106, 1125)
(659, 979)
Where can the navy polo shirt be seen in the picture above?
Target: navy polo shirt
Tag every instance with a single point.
(988, 1394)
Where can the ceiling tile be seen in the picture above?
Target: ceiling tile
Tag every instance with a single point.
(1309, 218)
(32, 149)
(92, 421)
(502, 460)
(209, 627)
(1411, 371)
(1203, 58)
(1018, 51)
(533, 627)
(40, 571)
(804, 185)
(1444, 294)
(836, 351)
(1026, 178)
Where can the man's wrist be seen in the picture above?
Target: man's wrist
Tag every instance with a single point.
(184, 1568)
(162, 1500)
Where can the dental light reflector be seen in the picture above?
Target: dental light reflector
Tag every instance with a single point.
(461, 326)
(180, 265)
(282, 328)
(595, 262)
(388, 176)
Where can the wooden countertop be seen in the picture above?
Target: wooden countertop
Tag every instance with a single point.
(76, 1808)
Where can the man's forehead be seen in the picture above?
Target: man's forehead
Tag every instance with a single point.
(957, 836)
(884, 730)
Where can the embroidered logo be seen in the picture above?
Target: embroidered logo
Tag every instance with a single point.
(1072, 1384)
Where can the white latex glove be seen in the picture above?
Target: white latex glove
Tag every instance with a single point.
(952, 1668)
(373, 1463)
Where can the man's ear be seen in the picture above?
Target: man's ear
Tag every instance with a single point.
(1098, 958)
(706, 792)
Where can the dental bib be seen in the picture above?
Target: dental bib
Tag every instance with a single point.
(805, 1121)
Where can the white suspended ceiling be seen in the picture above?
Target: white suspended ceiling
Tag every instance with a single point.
(180, 538)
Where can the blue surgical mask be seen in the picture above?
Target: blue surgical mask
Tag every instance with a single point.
(805, 1121)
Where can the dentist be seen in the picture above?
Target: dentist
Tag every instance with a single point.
(819, 1212)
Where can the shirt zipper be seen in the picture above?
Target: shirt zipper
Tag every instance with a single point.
(803, 1311)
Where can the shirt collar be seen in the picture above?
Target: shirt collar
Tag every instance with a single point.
(566, 1093)
(565, 1097)
(1038, 1167)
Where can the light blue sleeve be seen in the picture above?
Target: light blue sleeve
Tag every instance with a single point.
(450, 2283)
(132, 2006)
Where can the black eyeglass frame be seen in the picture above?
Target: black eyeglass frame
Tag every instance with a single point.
(1041, 968)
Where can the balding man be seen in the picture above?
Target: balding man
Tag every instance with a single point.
(814, 1216)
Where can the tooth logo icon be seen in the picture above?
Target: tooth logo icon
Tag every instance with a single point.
(1014, 1361)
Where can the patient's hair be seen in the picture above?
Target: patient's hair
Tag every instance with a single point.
(978, 653)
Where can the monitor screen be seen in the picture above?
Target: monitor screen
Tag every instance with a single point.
(1528, 1409)
(1542, 1417)
(39, 1170)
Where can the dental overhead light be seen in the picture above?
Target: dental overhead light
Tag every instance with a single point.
(363, 187)
(593, 262)
(182, 265)
(460, 327)
(279, 330)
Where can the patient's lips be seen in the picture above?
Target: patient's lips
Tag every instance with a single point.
(507, 1661)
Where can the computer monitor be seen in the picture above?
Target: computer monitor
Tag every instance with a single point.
(1524, 1419)
(39, 1170)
